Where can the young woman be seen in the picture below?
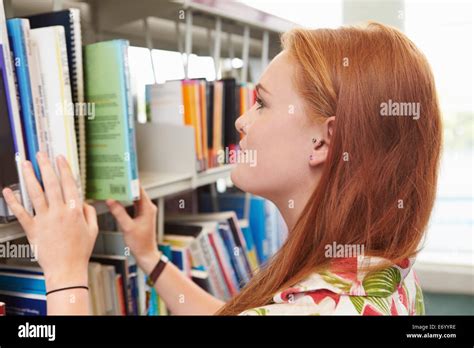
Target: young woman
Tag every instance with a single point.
(347, 131)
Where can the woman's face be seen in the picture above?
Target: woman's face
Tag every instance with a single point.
(278, 137)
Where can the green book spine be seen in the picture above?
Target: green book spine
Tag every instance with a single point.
(109, 146)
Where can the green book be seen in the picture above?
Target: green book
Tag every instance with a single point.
(110, 136)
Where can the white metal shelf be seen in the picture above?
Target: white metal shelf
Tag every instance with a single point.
(157, 185)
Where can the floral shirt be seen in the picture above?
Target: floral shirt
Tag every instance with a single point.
(391, 291)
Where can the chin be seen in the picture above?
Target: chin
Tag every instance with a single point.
(241, 178)
(244, 179)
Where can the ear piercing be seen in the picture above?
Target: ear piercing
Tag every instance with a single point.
(319, 143)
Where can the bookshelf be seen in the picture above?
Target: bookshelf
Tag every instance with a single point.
(249, 30)
(169, 160)
(157, 185)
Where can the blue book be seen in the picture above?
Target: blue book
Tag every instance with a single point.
(235, 260)
(21, 282)
(177, 257)
(236, 202)
(18, 303)
(18, 30)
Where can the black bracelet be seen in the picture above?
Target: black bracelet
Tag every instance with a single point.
(68, 288)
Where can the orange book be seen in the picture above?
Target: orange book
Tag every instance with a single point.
(191, 109)
(197, 122)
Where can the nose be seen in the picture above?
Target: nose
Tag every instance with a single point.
(239, 124)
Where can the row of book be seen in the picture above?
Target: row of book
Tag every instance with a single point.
(210, 248)
(53, 101)
(211, 107)
(61, 98)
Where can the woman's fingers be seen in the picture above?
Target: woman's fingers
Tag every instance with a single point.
(144, 204)
(21, 214)
(34, 189)
(71, 194)
(119, 212)
(50, 181)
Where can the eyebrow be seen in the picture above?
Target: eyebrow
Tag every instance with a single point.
(259, 87)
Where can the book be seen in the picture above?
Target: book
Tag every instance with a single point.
(24, 293)
(164, 103)
(204, 255)
(218, 122)
(259, 218)
(8, 171)
(111, 149)
(69, 19)
(120, 264)
(203, 252)
(231, 106)
(51, 44)
(225, 263)
(192, 116)
(19, 303)
(11, 129)
(19, 38)
(201, 278)
(112, 244)
(233, 255)
(228, 217)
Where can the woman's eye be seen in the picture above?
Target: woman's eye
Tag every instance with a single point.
(259, 103)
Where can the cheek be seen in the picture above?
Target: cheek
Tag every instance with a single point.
(272, 161)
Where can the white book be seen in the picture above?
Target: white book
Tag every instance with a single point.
(37, 92)
(20, 155)
(166, 103)
(59, 107)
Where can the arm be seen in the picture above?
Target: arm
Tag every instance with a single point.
(63, 231)
(181, 295)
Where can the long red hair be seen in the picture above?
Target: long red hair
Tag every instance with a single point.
(379, 181)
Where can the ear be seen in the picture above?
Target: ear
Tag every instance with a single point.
(321, 144)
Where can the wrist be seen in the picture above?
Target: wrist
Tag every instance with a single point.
(149, 261)
(62, 280)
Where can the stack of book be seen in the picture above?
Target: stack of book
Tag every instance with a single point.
(212, 249)
(50, 105)
(211, 107)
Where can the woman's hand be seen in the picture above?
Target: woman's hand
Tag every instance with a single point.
(139, 232)
(64, 229)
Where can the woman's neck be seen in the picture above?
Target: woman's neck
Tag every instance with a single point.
(291, 205)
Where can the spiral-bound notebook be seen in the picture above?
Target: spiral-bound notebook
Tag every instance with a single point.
(70, 20)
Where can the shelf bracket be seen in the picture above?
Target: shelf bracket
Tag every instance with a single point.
(265, 44)
(217, 46)
(245, 54)
(160, 220)
(188, 43)
(149, 45)
(9, 13)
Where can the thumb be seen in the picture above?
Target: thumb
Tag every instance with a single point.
(120, 214)
(91, 217)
